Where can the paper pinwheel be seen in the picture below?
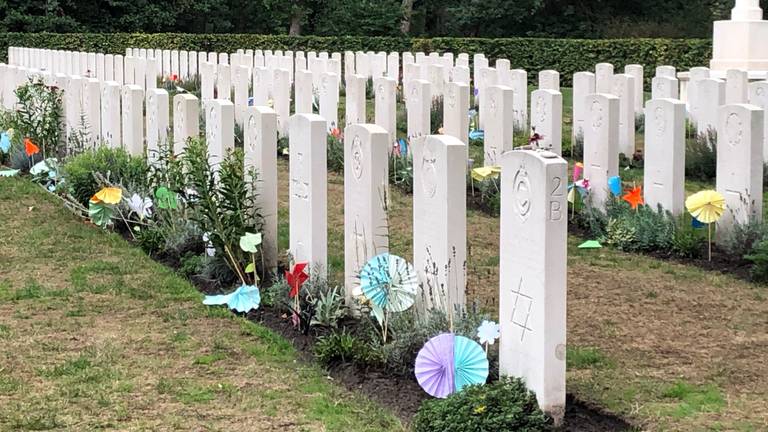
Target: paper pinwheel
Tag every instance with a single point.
(706, 207)
(578, 171)
(8, 172)
(99, 212)
(210, 250)
(30, 148)
(697, 224)
(296, 278)
(581, 186)
(242, 300)
(477, 134)
(250, 242)
(488, 332)
(614, 184)
(403, 147)
(165, 198)
(634, 197)
(484, 173)
(5, 142)
(590, 244)
(141, 206)
(447, 363)
(108, 195)
(390, 283)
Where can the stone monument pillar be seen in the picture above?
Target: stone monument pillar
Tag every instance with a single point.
(739, 43)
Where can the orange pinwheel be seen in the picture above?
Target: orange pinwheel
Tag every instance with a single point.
(634, 197)
(30, 147)
(296, 278)
(109, 195)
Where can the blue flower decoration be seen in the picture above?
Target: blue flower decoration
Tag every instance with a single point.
(5, 142)
(242, 300)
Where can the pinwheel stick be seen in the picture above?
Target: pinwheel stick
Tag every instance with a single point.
(235, 265)
(709, 239)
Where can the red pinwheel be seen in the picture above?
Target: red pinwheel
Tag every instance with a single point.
(30, 147)
(296, 278)
(634, 197)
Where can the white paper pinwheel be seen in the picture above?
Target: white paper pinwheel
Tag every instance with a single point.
(488, 332)
(242, 300)
(141, 206)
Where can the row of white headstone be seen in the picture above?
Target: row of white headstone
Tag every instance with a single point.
(603, 115)
(532, 286)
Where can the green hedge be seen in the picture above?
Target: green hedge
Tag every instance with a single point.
(564, 55)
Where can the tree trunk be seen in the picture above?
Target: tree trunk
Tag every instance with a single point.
(405, 25)
(295, 28)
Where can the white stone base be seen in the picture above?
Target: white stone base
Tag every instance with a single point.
(740, 45)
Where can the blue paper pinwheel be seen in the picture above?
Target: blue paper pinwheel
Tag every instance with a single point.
(5, 142)
(242, 300)
(614, 184)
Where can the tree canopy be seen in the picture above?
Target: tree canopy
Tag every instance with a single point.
(423, 18)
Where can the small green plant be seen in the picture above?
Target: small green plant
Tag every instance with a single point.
(115, 165)
(505, 405)
(335, 153)
(759, 259)
(742, 239)
(401, 172)
(436, 114)
(341, 346)
(38, 116)
(329, 308)
(701, 157)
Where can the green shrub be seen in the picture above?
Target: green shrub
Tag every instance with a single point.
(116, 165)
(759, 259)
(701, 157)
(341, 346)
(688, 241)
(38, 116)
(335, 154)
(743, 237)
(505, 405)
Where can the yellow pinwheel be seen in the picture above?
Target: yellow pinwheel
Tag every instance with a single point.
(484, 173)
(109, 195)
(706, 207)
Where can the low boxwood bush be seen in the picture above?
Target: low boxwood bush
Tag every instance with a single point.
(504, 405)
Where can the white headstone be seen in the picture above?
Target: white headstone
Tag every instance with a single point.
(385, 106)
(73, 101)
(601, 138)
(666, 71)
(92, 109)
(329, 99)
(603, 77)
(758, 96)
(281, 93)
(303, 92)
(242, 84)
(355, 101)
(393, 66)
(710, 97)
(119, 70)
(110, 114)
(736, 87)
(532, 289)
(664, 179)
(366, 191)
(418, 107)
(694, 103)
(224, 82)
(740, 165)
(207, 81)
(262, 86)
(583, 85)
(624, 89)
(440, 220)
(665, 88)
(308, 192)
(519, 84)
(133, 116)
(219, 131)
(455, 109)
(499, 130)
(150, 81)
(260, 154)
(547, 119)
(637, 72)
(158, 104)
(186, 120)
(549, 80)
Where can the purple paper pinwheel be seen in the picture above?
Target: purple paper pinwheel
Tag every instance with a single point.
(447, 363)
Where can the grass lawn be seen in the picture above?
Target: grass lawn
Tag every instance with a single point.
(95, 335)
